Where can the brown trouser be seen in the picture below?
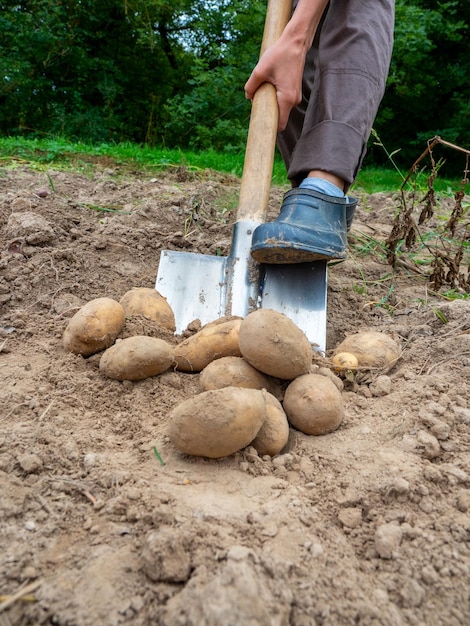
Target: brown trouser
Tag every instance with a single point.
(344, 82)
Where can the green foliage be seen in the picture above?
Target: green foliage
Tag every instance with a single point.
(79, 69)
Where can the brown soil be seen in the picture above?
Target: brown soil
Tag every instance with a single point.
(102, 522)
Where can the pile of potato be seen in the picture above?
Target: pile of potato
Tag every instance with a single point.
(256, 373)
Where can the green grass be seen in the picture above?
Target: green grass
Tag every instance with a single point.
(64, 154)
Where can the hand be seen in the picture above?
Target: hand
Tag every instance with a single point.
(282, 65)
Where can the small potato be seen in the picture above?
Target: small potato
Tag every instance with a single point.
(344, 362)
(213, 341)
(274, 433)
(149, 303)
(94, 327)
(313, 404)
(373, 350)
(217, 423)
(273, 344)
(234, 371)
(136, 358)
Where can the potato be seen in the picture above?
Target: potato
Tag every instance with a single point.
(213, 341)
(94, 327)
(273, 344)
(344, 362)
(313, 404)
(149, 303)
(235, 371)
(274, 433)
(373, 350)
(217, 423)
(136, 358)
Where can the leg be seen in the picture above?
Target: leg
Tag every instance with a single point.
(344, 82)
(327, 134)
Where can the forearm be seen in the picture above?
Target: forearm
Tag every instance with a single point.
(283, 63)
(304, 22)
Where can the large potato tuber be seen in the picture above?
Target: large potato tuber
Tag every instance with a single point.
(273, 344)
(372, 349)
(213, 341)
(235, 371)
(94, 327)
(136, 358)
(274, 433)
(313, 404)
(149, 303)
(217, 423)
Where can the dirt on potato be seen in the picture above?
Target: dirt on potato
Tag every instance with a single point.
(102, 522)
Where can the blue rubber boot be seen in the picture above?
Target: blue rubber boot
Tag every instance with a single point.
(311, 226)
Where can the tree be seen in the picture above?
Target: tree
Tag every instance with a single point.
(82, 69)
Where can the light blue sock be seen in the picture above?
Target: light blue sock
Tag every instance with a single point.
(322, 186)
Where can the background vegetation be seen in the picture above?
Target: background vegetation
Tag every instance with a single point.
(172, 74)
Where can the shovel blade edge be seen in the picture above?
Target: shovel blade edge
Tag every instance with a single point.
(300, 292)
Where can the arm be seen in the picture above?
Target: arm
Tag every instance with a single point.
(283, 63)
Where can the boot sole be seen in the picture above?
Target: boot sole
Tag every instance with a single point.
(278, 254)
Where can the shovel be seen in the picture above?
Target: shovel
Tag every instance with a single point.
(205, 287)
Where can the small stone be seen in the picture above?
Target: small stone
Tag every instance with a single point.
(137, 603)
(316, 550)
(431, 446)
(350, 517)
(380, 596)
(462, 414)
(239, 553)
(30, 463)
(463, 502)
(426, 505)
(412, 594)
(164, 557)
(429, 575)
(387, 540)
(89, 461)
(381, 386)
(270, 529)
(440, 430)
(282, 460)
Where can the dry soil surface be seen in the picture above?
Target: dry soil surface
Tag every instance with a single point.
(367, 525)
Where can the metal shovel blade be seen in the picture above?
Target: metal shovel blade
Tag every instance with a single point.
(194, 286)
(300, 292)
(206, 287)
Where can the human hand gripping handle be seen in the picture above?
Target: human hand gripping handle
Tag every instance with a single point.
(282, 64)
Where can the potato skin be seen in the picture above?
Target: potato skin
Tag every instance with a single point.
(136, 358)
(213, 341)
(273, 344)
(313, 404)
(235, 371)
(149, 303)
(373, 350)
(217, 423)
(274, 433)
(94, 327)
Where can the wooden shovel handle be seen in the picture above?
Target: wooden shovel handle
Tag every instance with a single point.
(262, 131)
